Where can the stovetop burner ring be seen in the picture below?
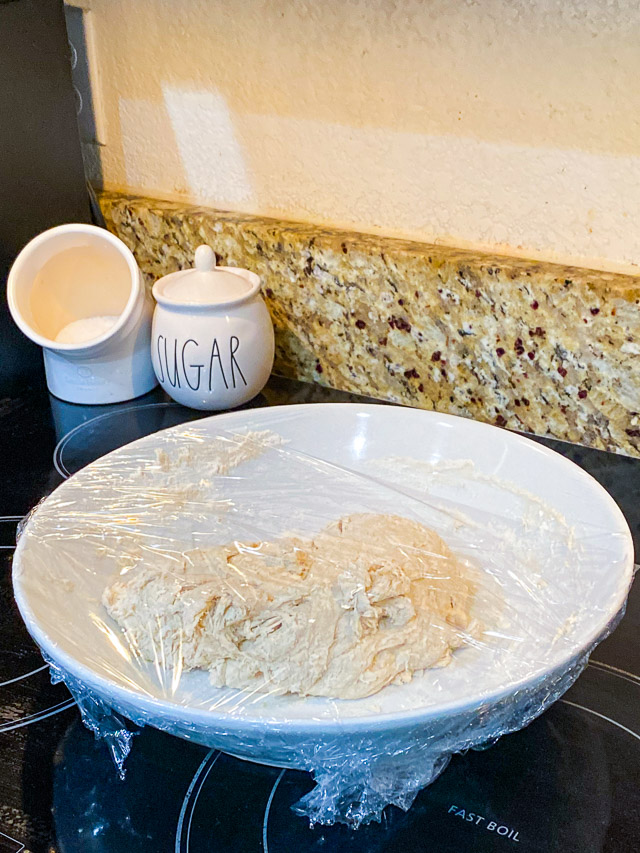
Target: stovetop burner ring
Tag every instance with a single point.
(184, 837)
(58, 452)
(183, 829)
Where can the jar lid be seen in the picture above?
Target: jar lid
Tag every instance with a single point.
(206, 284)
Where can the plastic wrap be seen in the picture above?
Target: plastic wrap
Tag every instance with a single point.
(546, 552)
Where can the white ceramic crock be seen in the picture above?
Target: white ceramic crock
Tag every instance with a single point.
(212, 340)
(74, 272)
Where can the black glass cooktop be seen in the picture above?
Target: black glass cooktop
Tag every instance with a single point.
(568, 782)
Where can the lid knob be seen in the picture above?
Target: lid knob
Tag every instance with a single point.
(205, 258)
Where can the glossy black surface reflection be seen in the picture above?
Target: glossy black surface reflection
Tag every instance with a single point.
(569, 782)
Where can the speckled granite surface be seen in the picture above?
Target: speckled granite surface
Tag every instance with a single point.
(548, 349)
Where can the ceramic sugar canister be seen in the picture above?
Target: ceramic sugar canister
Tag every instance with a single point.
(212, 339)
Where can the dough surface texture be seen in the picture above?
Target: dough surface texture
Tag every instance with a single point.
(370, 601)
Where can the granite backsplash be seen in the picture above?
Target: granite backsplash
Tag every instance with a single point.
(532, 346)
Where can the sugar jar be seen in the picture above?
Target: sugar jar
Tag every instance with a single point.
(212, 338)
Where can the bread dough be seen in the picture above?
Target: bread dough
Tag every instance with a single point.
(368, 602)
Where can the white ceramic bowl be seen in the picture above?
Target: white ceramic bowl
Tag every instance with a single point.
(519, 493)
(71, 273)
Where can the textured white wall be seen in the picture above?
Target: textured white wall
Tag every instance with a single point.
(512, 124)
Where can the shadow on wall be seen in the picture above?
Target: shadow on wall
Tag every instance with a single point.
(489, 122)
